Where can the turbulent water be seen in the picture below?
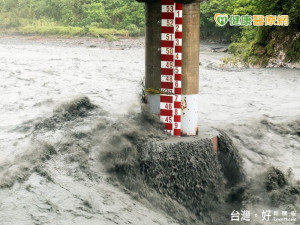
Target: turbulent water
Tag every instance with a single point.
(64, 102)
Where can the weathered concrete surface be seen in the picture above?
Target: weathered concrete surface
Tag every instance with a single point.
(182, 171)
(185, 169)
(153, 44)
(191, 172)
(190, 48)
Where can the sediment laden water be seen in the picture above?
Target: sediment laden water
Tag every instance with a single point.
(81, 160)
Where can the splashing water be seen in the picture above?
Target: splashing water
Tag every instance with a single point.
(82, 160)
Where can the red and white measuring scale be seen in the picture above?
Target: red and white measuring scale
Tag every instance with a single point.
(171, 58)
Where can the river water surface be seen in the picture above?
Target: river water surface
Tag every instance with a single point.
(258, 108)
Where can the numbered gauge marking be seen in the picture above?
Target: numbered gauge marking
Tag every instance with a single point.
(171, 62)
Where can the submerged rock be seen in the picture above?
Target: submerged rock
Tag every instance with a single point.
(219, 49)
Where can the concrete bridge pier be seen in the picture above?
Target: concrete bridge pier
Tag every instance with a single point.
(203, 161)
(190, 62)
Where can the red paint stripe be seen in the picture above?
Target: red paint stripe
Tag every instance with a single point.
(177, 118)
(178, 35)
(177, 76)
(167, 30)
(177, 91)
(167, 2)
(178, 6)
(168, 126)
(177, 62)
(177, 132)
(168, 44)
(167, 85)
(178, 20)
(167, 57)
(177, 105)
(178, 48)
(166, 99)
(166, 71)
(167, 16)
(166, 112)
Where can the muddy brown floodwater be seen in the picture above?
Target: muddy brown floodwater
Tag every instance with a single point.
(65, 102)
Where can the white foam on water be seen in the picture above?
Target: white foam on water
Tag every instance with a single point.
(256, 107)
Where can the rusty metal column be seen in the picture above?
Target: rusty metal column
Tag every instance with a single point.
(190, 68)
